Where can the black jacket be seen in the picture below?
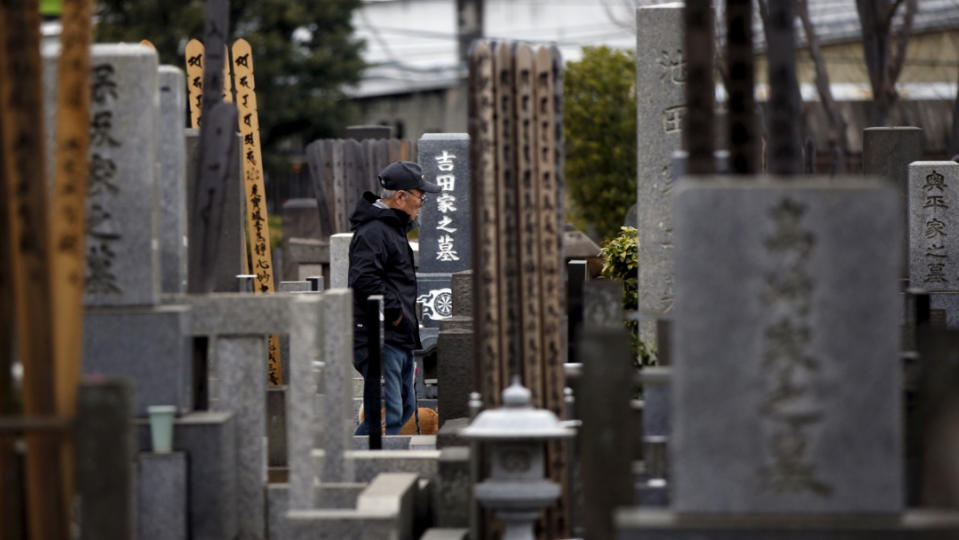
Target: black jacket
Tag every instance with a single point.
(381, 262)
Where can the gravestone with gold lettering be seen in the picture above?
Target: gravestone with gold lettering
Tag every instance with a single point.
(660, 108)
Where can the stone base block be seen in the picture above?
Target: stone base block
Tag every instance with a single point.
(445, 534)
(277, 505)
(370, 463)
(208, 440)
(384, 509)
(339, 495)
(149, 345)
(161, 502)
(449, 434)
(390, 442)
(455, 372)
(665, 525)
(453, 490)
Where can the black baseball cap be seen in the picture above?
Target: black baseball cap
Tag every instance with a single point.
(405, 175)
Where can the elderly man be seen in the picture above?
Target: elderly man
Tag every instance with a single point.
(381, 262)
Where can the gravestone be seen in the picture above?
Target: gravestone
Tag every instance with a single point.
(105, 457)
(241, 387)
(336, 402)
(209, 440)
(122, 257)
(887, 152)
(660, 108)
(773, 279)
(232, 233)
(300, 223)
(162, 496)
(215, 205)
(171, 181)
(305, 342)
(148, 345)
(340, 260)
(445, 221)
(605, 437)
(934, 236)
(603, 304)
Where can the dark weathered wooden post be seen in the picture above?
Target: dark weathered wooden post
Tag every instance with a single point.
(743, 142)
(216, 152)
(21, 105)
(699, 48)
(784, 108)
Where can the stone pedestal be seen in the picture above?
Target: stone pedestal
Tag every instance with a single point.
(162, 502)
(340, 260)
(149, 345)
(635, 524)
(208, 440)
(455, 372)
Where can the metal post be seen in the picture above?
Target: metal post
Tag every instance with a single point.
(374, 371)
(316, 283)
(245, 283)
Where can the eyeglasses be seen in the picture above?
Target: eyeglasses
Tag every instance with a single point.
(422, 198)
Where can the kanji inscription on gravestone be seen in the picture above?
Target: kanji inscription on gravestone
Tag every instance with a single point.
(772, 278)
(445, 222)
(122, 256)
(933, 238)
(660, 109)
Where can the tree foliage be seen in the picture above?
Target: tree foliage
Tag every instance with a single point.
(620, 261)
(599, 125)
(303, 52)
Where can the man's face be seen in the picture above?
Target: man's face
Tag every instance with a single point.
(410, 201)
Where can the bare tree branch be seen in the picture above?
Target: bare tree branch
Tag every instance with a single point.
(891, 12)
(902, 37)
(837, 124)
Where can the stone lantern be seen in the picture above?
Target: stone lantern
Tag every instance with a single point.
(516, 435)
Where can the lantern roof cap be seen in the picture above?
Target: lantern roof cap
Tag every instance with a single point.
(516, 420)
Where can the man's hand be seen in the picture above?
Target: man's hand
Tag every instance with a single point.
(397, 321)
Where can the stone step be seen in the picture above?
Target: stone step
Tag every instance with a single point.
(369, 463)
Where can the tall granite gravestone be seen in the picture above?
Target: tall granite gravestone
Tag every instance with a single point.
(122, 281)
(787, 387)
(786, 330)
(445, 221)
(933, 237)
(340, 260)
(171, 181)
(301, 411)
(121, 242)
(660, 108)
(336, 431)
(231, 244)
(887, 152)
